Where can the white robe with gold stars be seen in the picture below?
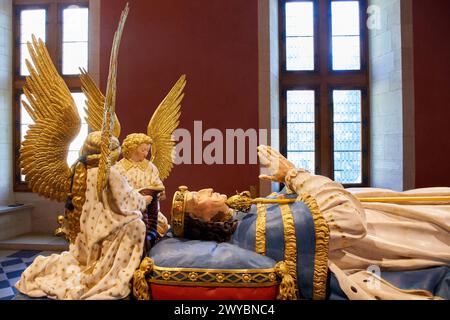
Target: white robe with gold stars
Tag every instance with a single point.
(143, 175)
(107, 251)
(139, 175)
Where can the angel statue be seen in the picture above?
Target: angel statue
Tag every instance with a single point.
(330, 242)
(103, 212)
(143, 174)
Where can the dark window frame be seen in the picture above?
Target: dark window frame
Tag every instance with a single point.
(54, 30)
(323, 80)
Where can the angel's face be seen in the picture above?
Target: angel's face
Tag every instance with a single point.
(141, 153)
(205, 204)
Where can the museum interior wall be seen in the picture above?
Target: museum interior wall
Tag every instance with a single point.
(215, 43)
(431, 25)
(386, 95)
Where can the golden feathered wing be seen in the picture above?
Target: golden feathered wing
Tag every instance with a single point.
(109, 110)
(95, 104)
(163, 123)
(43, 156)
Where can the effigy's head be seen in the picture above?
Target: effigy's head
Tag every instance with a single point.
(136, 146)
(92, 148)
(202, 215)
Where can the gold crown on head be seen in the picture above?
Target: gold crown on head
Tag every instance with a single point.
(178, 211)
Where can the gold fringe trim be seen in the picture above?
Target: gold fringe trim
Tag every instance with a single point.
(79, 198)
(287, 288)
(322, 232)
(140, 285)
(261, 229)
(290, 242)
(70, 222)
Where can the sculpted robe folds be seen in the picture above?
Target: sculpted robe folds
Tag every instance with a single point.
(108, 249)
(409, 244)
(140, 176)
(392, 237)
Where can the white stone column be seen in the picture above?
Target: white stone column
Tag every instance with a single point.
(392, 156)
(6, 71)
(268, 77)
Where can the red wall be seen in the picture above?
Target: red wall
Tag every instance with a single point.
(431, 27)
(213, 42)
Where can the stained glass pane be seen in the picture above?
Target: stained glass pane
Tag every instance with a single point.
(346, 35)
(75, 39)
(347, 136)
(299, 19)
(346, 53)
(301, 128)
(75, 56)
(300, 53)
(300, 36)
(31, 22)
(345, 20)
(76, 24)
(24, 116)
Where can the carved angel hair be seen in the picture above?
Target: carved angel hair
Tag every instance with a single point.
(164, 122)
(43, 156)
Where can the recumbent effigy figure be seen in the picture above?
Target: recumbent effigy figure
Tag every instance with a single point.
(328, 239)
(103, 219)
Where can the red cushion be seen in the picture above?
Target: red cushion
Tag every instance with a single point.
(170, 292)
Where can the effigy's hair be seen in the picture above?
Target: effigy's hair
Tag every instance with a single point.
(132, 142)
(219, 231)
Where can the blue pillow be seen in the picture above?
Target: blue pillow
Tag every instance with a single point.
(183, 253)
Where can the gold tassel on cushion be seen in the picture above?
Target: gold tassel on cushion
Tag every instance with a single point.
(140, 285)
(287, 286)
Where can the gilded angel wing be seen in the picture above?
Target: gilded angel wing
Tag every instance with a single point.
(43, 156)
(163, 123)
(95, 104)
(109, 110)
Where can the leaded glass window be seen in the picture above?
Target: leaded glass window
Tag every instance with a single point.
(323, 88)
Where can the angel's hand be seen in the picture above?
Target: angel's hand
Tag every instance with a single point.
(274, 164)
(162, 196)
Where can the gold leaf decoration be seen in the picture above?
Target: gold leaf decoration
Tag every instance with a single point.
(109, 110)
(163, 123)
(95, 104)
(43, 156)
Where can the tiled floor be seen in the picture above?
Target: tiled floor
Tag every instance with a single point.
(12, 264)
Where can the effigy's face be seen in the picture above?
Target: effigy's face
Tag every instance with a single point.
(141, 152)
(205, 204)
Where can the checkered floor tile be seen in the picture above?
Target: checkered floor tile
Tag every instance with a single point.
(11, 267)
